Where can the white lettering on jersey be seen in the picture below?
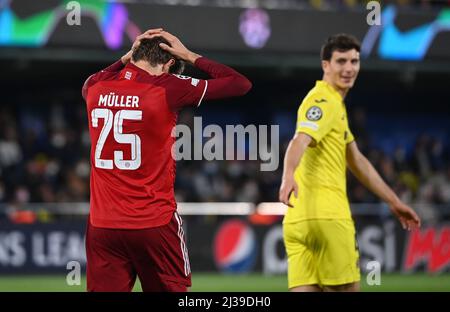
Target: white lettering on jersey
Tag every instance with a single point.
(113, 100)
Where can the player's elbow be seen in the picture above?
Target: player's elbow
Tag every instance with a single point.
(247, 85)
(243, 86)
(357, 164)
(84, 92)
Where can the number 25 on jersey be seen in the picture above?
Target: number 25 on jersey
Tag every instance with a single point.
(116, 122)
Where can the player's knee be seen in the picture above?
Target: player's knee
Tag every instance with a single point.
(351, 287)
(306, 288)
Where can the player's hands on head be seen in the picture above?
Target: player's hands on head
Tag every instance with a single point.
(177, 48)
(145, 35)
(288, 185)
(406, 215)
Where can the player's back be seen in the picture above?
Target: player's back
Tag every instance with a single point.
(131, 117)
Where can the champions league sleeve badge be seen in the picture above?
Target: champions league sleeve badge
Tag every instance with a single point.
(314, 113)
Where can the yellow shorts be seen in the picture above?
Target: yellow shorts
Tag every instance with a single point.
(322, 252)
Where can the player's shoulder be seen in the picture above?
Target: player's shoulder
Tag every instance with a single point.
(317, 97)
(106, 75)
(96, 78)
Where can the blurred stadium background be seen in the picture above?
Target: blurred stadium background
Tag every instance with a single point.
(399, 113)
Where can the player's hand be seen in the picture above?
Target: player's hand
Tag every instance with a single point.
(177, 48)
(146, 35)
(288, 185)
(406, 215)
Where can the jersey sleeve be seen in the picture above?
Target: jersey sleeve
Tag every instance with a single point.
(225, 81)
(185, 91)
(315, 117)
(349, 137)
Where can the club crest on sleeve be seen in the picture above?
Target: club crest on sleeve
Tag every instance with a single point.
(314, 113)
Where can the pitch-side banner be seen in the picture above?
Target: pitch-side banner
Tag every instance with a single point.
(389, 33)
(231, 244)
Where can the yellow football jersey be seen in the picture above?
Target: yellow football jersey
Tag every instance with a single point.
(321, 174)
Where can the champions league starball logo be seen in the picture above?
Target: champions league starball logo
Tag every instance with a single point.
(254, 26)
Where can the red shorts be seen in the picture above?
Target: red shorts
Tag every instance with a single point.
(158, 256)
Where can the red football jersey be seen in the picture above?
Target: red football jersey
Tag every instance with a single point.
(131, 116)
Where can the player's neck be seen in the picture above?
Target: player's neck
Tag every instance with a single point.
(152, 70)
(342, 92)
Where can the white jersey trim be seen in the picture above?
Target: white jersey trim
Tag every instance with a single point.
(204, 92)
(187, 265)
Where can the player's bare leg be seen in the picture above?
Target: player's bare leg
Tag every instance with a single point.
(351, 287)
(306, 288)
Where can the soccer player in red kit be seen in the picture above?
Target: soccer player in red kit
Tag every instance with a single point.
(133, 228)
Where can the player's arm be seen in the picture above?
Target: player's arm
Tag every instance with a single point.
(225, 82)
(314, 121)
(363, 170)
(296, 148)
(119, 64)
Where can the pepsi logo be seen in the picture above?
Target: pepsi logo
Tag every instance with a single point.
(235, 247)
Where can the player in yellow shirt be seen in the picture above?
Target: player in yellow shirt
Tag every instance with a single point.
(319, 233)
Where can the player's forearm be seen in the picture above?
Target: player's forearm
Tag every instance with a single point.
(192, 57)
(294, 154)
(369, 177)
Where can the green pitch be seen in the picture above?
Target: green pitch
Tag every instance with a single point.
(223, 283)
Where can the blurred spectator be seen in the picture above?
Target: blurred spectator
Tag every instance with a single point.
(2, 192)
(421, 157)
(359, 128)
(437, 161)
(10, 151)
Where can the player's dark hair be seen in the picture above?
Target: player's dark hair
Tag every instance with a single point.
(339, 42)
(150, 51)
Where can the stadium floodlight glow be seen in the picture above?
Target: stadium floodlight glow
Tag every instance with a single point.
(254, 27)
